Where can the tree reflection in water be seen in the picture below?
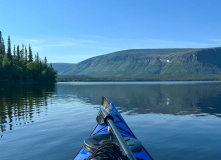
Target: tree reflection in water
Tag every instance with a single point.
(20, 103)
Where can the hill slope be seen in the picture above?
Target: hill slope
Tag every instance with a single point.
(144, 63)
(60, 67)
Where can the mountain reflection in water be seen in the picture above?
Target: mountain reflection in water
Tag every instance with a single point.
(141, 98)
(51, 121)
(19, 103)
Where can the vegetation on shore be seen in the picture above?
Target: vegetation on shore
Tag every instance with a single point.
(77, 78)
(20, 66)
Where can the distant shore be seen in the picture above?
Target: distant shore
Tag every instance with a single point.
(71, 78)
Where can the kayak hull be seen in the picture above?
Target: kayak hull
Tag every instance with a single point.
(124, 131)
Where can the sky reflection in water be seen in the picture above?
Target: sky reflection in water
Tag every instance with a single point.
(171, 119)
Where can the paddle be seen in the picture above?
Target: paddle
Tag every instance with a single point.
(105, 117)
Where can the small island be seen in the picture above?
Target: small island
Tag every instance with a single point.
(19, 66)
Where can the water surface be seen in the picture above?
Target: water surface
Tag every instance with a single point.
(177, 120)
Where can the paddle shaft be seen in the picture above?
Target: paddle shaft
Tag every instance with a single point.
(123, 145)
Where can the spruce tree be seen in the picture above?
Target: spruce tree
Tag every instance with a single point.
(37, 58)
(14, 51)
(26, 54)
(18, 52)
(22, 52)
(45, 60)
(9, 54)
(30, 57)
(3, 49)
(2, 45)
(45, 63)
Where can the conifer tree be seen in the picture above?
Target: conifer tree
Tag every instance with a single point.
(0, 49)
(13, 68)
(14, 51)
(22, 52)
(30, 57)
(3, 49)
(9, 54)
(18, 52)
(45, 60)
(37, 58)
(26, 54)
(2, 45)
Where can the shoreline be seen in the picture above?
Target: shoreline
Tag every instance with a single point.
(24, 82)
(96, 79)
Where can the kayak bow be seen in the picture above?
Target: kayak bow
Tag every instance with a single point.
(111, 137)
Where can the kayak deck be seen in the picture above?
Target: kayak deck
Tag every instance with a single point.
(124, 131)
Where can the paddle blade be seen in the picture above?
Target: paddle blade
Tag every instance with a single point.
(99, 118)
(106, 104)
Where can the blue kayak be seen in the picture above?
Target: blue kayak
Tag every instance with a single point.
(102, 134)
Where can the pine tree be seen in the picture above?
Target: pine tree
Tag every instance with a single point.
(26, 54)
(9, 54)
(30, 57)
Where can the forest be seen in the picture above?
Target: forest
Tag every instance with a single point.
(20, 65)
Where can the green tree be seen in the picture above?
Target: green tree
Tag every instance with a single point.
(9, 53)
(37, 58)
(2, 45)
(6, 64)
(14, 51)
(49, 74)
(21, 67)
(45, 60)
(22, 52)
(18, 52)
(45, 65)
(33, 70)
(30, 57)
(26, 54)
(3, 49)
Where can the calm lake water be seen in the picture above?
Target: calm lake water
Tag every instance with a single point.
(173, 120)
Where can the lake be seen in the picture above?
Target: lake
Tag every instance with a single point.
(173, 120)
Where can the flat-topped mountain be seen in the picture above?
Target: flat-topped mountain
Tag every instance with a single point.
(146, 63)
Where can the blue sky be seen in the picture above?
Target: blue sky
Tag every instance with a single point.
(74, 30)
